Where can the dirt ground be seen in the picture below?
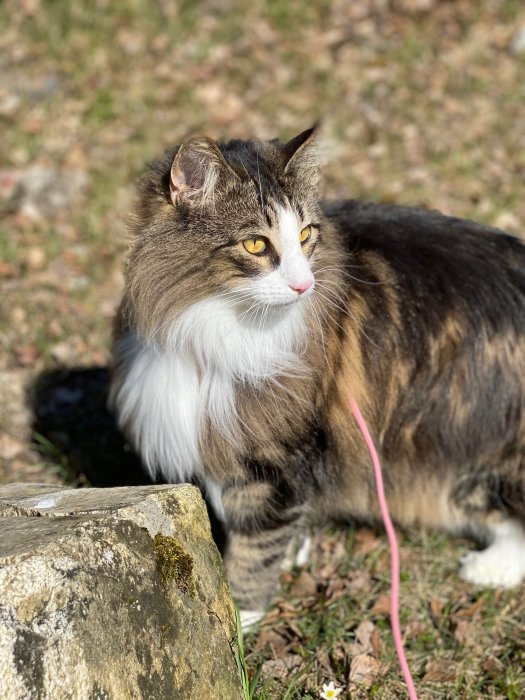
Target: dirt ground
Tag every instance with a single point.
(422, 102)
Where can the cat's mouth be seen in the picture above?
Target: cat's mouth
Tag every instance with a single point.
(287, 302)
(283, 300)
(267, 307)
(294, 300)
(282, 304)
(266, 313)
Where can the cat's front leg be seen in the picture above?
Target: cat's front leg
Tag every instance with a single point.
(261, 525)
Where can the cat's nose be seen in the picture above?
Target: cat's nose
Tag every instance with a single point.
(301, 287)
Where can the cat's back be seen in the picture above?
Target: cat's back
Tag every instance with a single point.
(396, 230)
(438, 260)
(441, 305)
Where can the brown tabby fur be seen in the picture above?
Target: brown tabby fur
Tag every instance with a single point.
(421, 317)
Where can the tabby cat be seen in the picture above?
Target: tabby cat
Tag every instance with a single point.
(252, 311)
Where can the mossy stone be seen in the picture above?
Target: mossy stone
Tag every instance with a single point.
(173, 563)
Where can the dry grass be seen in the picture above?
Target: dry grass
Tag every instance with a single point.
(331, 622)
(423, 104)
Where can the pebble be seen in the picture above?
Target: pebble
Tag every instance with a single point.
(507, 221)
(517, 45)
(18, 314)
(63, 353)
(10, 447)
(35, 258)
(10, 104)
(47, 192)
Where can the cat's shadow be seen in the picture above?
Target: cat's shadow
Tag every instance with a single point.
(75, 432)
(78, 437)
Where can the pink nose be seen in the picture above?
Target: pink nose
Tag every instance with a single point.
(301, 287)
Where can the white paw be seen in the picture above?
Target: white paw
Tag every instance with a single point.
(249, 618)
(303, 553)
(502, 564)
(297, 553)
(488, 568)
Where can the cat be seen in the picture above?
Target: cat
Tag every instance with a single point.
(252, 311)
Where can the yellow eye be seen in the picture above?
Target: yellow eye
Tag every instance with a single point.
(305, 234)
(254, 245)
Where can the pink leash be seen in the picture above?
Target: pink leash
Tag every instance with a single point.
(394, 551)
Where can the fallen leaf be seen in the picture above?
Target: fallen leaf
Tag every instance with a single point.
(359, 581)
(471, 610)
(382, 605)
(26, 355)
(8, 182)
(294, 629)
(363, 634)
(281, 668)
(439, 671)
(336, 588)
(375, 641)
(286, 578)
(494, 667)
(283, 610)
(327, 544)
(285, 606)
(436, 607)
(327, 572)
(339, 553)
(276, 642)
(304, 585)
(365, 541)
(363, 670)
(323, 661)
(415, 628)
(7, 271)
(464, 632)
(339, 653)
(54, 328)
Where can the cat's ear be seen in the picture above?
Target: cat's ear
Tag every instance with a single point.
(302, 154)
(196, 171)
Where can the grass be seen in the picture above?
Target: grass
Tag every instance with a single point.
(446, 626)
(248, 685)
(420, 108)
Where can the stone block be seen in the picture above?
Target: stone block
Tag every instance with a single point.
(112, 594)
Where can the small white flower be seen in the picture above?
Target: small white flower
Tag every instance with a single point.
(330, 691)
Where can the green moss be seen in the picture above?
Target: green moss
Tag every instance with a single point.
(173, 563)
(166, 633)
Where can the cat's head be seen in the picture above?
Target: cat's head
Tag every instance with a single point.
(237, 220)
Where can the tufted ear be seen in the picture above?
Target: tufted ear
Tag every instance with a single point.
(196, 171)
(301, 152)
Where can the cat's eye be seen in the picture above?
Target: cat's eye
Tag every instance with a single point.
(254, 245)
(305, 234)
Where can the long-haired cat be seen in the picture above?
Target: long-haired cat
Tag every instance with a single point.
(252, 310)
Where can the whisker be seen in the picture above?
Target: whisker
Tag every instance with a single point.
(344, 310)
(349, 275)
(331, 302)
(259, 178)
(318, 320)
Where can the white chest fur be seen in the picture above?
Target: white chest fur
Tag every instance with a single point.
(167, 391)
